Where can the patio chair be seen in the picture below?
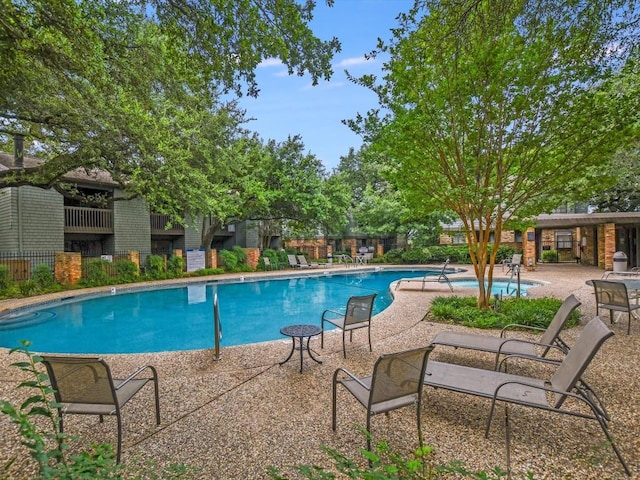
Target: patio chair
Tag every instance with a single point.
(429, 277)
(511, 263)
(396, 382)
(566, 382)
(268, 265)
(613, 296)
(84, 385)
(356, 315)
(302, 260)
(502, 345)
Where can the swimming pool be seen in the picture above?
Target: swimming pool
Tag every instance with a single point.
(180, 318)
(498, 286)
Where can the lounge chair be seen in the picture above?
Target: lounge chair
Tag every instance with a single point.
(429, 277)
(302, 260)
(502, 345)
(566, 382)
(84, 385)
(614, 296)
(396, 382)
(356, 315)
(268, 265)
(293, 262)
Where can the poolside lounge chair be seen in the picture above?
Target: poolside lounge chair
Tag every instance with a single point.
(84, 385)
(396, 382)
(429, 277)
(357, 315)
(302, 260)
(293, 262)
(506, 346)
(613, 296)
(268, 264)
(566, 382)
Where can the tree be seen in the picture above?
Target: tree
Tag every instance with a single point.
(624, 195)
(496, 109)
(107, 84)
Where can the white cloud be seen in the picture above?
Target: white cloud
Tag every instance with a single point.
(350, 62)
(270, 62)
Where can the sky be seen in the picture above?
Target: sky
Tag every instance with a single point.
(290, 105)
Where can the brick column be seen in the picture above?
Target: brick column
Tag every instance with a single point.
(177, 252)
(211, 258)
(529, 249)
(68, 268)
(135, 258)
(609, 245)
(253, 257)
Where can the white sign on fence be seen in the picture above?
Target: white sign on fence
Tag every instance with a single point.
(195, 260)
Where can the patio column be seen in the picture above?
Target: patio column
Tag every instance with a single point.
(609, 244)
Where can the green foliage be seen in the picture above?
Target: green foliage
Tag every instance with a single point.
(43, 276)
(229, 258)
(95, 273)
(5, 278)
(416, 255)
(207, 271)
(549, 256)
(127, 270)
(240, 254)
(385, 464)
(156, 266)
(175, 266)
(534, 312)
(28, 288)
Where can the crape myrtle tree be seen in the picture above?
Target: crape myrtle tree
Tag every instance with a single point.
(499, 110)
(123, 86)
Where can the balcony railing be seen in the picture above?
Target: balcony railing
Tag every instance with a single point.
(159, 224)
(88, 220)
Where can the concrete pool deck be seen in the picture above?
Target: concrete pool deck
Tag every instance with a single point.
(232, 418)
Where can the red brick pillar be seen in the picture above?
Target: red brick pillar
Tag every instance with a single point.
(529, 249)
(177, 253)
(609, 245)
(135, 258)
(253, 257)
(68, 268)
(211, 258)
(379, 250)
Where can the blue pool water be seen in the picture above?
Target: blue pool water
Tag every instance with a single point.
(181, 318)
(505, 288)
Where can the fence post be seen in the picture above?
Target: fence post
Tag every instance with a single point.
(68, 268)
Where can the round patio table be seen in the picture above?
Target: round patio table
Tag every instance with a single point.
(300, 332)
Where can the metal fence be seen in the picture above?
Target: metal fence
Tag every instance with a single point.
(21, 264)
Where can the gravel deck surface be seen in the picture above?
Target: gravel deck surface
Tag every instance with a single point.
(232, 418)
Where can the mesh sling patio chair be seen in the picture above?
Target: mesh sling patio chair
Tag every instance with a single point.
(429, 277)
(614, 296)
(503, 345)
(548, 394)
(84, 385)
(396, 382)
(357, 315)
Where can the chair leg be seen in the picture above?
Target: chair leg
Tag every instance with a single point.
(334, 399)
(119, 454)
(369, 332)
(344, 346)
(322, 334)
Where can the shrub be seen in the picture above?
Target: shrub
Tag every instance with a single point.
(5, 278)
(394, 255)
(229, 258)
(534, 312)
(155, 266)
(175, 266)
(549, 256)
(43, 276)
(416, 255)
(241, 255)
(95, 273)
(127, 270)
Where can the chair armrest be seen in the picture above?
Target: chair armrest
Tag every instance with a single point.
(350, 375)
(334, 312)
(548, 361)
(530, 342)
(518, 325)
(136, 373)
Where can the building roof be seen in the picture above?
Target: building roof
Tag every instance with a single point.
(92, 176)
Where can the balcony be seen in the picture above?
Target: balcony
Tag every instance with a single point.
(159, 224)
(88, 220)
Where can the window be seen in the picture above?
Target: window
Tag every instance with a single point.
(564, 240)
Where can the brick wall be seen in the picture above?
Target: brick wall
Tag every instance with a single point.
(68, 268)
